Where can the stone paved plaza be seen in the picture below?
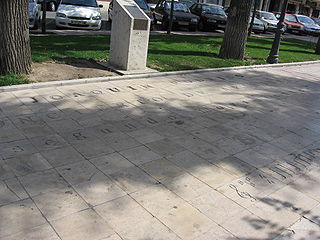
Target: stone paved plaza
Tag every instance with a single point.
(204, 156)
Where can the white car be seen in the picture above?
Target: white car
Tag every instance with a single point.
(34, 14)
(258, 26)
(79, 14)
(269, 20)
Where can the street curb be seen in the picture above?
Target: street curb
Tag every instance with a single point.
(144, 75)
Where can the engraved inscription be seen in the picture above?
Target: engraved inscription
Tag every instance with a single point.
(131, 88)
(34, 100)
(114, 89)
(76, 94)
(140, 24)
(79, 136)
(17, 149)
(97, 92)
(56, 97)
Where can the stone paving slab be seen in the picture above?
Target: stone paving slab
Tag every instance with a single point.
(204, 155)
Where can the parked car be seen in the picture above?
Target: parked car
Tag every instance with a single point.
(291, 23)
(310, 27)
(51, 5)
(189, 3)
(182, 17)
(258, 26)
(212, 17)
(152, 6)
(79, 14)
(316, 20)
(269, 20)
(142, 4)
(34, 14)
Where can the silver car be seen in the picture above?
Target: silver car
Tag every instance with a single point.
(269, 20)
(258, 26)
(34, 14)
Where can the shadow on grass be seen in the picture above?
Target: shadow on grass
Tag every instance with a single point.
(183, 53)
(283, 49)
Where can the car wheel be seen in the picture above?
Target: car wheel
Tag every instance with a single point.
(285, 30)
(52, 7)
(154, 19)
(164, 24)
(109, 19)
(201, 26)
(192, 28)
(36, 24)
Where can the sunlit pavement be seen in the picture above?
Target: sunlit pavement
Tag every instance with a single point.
(212, 155)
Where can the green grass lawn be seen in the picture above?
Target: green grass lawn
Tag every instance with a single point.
(12, 79)
(170, 53)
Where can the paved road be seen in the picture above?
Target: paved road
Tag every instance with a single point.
(215, 155)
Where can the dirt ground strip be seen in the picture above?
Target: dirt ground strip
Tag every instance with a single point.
(67, 69)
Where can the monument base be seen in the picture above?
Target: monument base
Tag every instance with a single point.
(125, 72)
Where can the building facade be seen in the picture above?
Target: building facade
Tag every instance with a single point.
(309, 8)
(306, 7)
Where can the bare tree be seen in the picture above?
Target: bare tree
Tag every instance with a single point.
(235, 36)
(15, 53)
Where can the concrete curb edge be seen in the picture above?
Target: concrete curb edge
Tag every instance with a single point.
(144, 75)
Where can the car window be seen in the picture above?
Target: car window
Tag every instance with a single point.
(290, 18)
(162, 5)
(305, 19)
(177, 6)
(212, 1)
(86, 3)
(32, 1)
(142, 4)
(193, 7)
(317, 21)
(213, 10)
(268, 16)
(187, 2)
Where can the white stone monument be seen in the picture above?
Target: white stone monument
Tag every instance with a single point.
(129, 37)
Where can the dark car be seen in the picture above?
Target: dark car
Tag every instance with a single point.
(182, 17)
(142, 4)
(51, 5)
(212, 17)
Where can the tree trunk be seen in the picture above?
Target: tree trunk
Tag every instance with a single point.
(235, 36)
(318, 47)
(15, 53)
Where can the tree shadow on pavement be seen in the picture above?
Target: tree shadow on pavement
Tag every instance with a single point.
(216, 145)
